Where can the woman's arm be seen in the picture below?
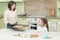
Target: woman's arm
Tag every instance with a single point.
(5, 17)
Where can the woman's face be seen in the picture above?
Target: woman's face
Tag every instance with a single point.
(41, 22)
(13, 6)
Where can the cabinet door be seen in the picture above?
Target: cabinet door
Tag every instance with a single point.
(54, 25)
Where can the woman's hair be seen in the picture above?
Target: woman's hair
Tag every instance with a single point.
(45, 22)
(10, 4)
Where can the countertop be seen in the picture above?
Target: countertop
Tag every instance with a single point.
(9, 34)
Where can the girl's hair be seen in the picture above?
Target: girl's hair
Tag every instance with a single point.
(10, 4)
(45, 22)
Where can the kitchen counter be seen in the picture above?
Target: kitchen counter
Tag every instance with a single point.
(9, 34)
(39, 16)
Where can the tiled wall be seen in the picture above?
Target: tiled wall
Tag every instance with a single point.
(39, 7)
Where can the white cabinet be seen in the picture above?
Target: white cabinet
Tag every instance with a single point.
(54, 25)
(58, 8)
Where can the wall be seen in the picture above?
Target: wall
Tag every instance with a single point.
(39, 7)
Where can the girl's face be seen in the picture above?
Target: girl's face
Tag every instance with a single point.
(13, 6)
(41, 23)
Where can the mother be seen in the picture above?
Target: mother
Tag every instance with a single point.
(10, 16)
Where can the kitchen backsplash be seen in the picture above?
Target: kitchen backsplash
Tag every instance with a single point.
(40, 7)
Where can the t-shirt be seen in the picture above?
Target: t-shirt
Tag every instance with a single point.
(10, 17)
(42, 29)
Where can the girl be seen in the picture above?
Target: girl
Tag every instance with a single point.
(42, 25)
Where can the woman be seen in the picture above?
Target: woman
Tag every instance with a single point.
(10, 16)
